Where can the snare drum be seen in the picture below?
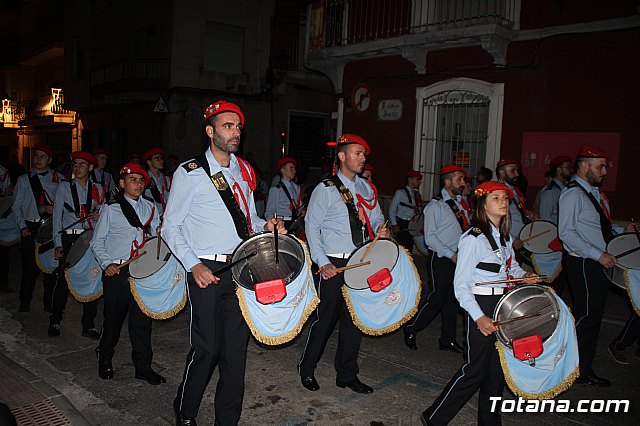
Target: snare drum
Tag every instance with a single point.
(158, 283)
(45, 260)
(540, 237)
(549, 336)
(274, 317)
(384, 294)
(83, 273)
(626, 273)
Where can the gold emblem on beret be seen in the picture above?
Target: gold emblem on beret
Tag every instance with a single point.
(192, 165)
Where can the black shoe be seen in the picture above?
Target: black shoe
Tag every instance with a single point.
(24, 307)
(92, 334)
(310, 383)
(54, 330)
(355, 385)
(593, 380)
(410, 339)
(180, 419)
(453, 347)
(151, 377)
(105, 370)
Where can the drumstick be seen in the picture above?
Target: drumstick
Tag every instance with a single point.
(275, 235)
(232, 264)
(346, 268)
(536, 236)
(159, 245)
(499, 323)
(512, 280)
(531, 229)
(122, 265)
(628, 252)
(369, 248)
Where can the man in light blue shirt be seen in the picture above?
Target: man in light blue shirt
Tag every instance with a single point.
(343, 213)
(285, 197)
(560, 168)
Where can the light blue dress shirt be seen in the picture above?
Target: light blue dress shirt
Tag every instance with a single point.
(472, 250)
(549, 201)
(196, 221)
(62, 217)
(113, 236)
(24, 203)
(398, 210)
(277, 201)
(579, 222)
(163, 183)
(327, 219)
(441, 227)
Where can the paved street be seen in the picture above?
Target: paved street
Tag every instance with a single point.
(57, 377)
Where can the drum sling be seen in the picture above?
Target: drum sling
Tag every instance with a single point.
(356, 226)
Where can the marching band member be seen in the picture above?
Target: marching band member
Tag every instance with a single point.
(560, 168)
(100, 174)
(78, 199)
(34, 195)
(211, 210)
(6, 189)
(342, 214)
(120, 235)
(484, 254)
(507, 173)
(285, 197)
(445, 219)
(584, 226)
(160, 186)
(405, 206)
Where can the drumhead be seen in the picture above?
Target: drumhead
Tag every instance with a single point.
(525, 300)
(150, 263)
(79, 248)
(538, 235)
(616, 276)
(383, 254)
(415, 227)
(45, 231)
(623, 243)
(262, 266)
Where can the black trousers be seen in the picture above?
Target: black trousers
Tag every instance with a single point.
(219, 337)
(481, 369)
(118, 302)
(589, 288)
(629, 334)
(332, 308)
(61, 292)
(4, 266)
(30, 270)
(440, 299)
(404, 237)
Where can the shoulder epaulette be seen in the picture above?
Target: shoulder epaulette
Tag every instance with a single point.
(327, 182)
(191, 165)
(437, 197)
(572, 184)
(475, 231)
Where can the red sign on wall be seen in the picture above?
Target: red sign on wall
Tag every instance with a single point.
(538, 148)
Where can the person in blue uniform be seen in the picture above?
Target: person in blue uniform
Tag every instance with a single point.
(406, 206)
(160, 186)
(561, 169)
(285, 197)
(585, 228)
(507, 172)
(34, 195)
(77, 199)
(7, 222)
(100, 174)
(210, 212)
(119, 235)
(485, 248)
(342, 214)
(445, 219)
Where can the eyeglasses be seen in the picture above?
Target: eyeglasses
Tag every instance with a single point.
(156, 158)
(80, 165)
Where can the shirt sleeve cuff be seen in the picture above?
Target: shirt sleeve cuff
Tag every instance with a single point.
(595, 254)
(191, 261)
(323, 260)
(475, 312)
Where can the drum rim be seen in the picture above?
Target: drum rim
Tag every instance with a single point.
(362, 245)
(147, 276)
(620, 236)
(545, 289)
(72, 244)
(531, 223)
(260, 236)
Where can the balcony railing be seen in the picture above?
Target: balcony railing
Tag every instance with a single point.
(11, 113)
(344, 22)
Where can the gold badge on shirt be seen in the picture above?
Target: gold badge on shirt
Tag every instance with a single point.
(219, 181)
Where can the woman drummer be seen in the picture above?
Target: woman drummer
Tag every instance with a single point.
(484, 254)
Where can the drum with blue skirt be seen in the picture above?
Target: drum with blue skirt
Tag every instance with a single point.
(626, 273)
(83, 272)
(9, 230)
(44, 238)
(274, 321)
(158, 281)
(384, 293)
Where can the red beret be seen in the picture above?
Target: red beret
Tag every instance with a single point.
(137, 169)
(350, 138)
(369, 167)
(413, 173)
(559, 160)
(89, 158)
(223, 106)
(488, 187)
(151, 152)
(450, 168)
(285, 160)
(592, 152)
(44, 148)
(506, 161)
(98, 151)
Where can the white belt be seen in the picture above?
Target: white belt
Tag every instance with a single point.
(216, 257)
(285, 217)
(488, 291)
(573, 254)
(75, 231)
(120, 261)
(340, 255)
